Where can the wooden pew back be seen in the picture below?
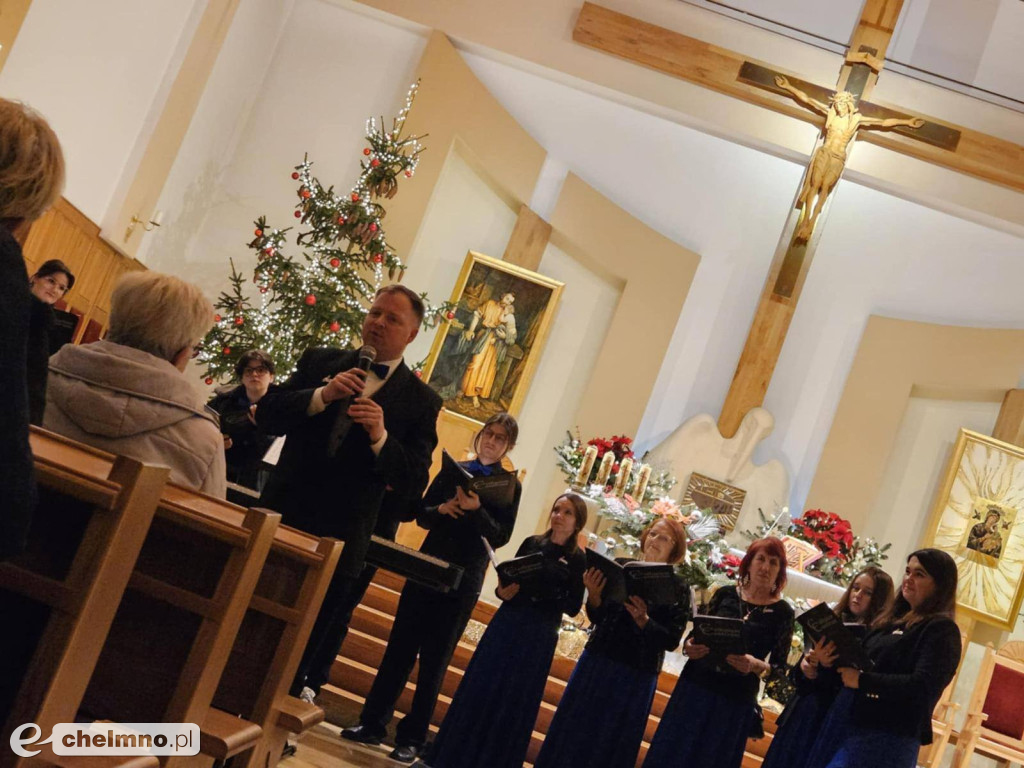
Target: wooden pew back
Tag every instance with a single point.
(61, 594)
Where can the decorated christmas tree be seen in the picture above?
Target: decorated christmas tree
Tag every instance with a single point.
(320, 297)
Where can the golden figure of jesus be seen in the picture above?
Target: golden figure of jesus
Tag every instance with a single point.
(842, 121)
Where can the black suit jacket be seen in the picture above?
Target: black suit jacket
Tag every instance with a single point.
(341, 496)
(911, 671)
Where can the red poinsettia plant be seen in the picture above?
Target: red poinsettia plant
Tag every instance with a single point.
(827, 531)
(620, 445)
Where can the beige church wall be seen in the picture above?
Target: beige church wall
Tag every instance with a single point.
(538, 34)
(100, 72)
(896, 358)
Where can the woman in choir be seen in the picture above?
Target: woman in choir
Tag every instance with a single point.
(602, 715)
(881, 718)
(712, 710)
(817, 683)
(245, 441)
(429, 623)
(491, 717)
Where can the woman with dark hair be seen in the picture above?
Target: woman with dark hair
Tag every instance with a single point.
(490, 720)
(601, 718)
(817, 684)
(881, 718)
(713, 708)
(245, 442)
(49, 284)
(428, 623)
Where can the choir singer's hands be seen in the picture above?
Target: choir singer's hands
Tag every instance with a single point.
(467, 500)
(451, 508)
(508, 591)
(695, 650)
(851, 677)
(638, 610)
(594, 581)
(746, 664)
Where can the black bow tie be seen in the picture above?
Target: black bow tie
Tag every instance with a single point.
(380, 370)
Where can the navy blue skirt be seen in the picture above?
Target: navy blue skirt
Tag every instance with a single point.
(791, 747)
(700, 729)
(491, 718)
(842, 744)
(601, 718)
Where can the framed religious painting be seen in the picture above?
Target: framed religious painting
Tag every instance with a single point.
(978, 519)
(483, 357)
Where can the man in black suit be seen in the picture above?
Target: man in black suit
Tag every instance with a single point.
(380, 466)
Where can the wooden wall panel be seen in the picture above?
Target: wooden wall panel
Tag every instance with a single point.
(65, 233)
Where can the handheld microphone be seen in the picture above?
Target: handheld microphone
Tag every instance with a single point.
(342, 421)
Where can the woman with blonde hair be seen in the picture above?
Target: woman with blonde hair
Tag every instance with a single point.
(128, 394)
(31, 180)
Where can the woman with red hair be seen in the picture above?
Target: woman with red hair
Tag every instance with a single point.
(712, 709)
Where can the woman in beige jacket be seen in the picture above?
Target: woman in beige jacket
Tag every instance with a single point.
(128, 394)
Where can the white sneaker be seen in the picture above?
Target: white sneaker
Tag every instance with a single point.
(308, 695)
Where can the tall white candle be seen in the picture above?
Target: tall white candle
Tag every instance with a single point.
(606, 468)
(641, 483)
(589, 457)
(622, 478)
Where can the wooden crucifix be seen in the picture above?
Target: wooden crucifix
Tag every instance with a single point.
(847, 114)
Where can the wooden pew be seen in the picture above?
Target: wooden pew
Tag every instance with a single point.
(270, 642)
(62, 593)
(177, 622)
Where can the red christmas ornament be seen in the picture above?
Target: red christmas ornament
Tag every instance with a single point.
(419, 374)
(263, 289)
(306, 194)
(373, 227)
(378, 258)
(335, 263)
(366, 151)
(295, 175)
(208, 381)
(226, 350)
(375, 162)
(408, 174)
(298, 214)
(259, 233)
(239, 320)
(311, 299)
(450, 315)
(269, 250)
(355, 198)
(335, 327)
(341, 219)
(216, 318)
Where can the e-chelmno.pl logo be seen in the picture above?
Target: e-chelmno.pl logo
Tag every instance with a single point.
(108, 739)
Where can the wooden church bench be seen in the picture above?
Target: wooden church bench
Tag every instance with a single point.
(63, 591)
(177, 622)
(269, 645)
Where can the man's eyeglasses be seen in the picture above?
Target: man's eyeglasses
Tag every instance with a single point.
(256, 370)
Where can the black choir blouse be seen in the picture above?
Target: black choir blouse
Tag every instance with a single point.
(769, 634)
(458, 539)
(617, 637)
(912, 667)
(570, 598)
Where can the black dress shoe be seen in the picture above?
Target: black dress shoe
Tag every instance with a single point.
(405, 753)
(363, 734)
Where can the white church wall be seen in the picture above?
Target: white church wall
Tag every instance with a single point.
(314, 98)
(880, 255)
(99, 71)
(196, 182)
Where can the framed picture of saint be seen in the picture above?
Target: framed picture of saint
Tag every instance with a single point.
(976, 520)
(482, 359)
